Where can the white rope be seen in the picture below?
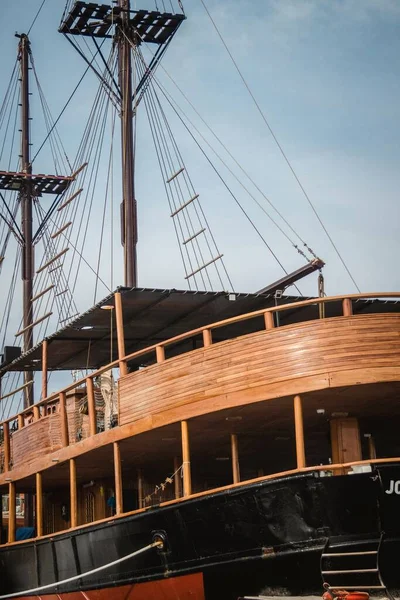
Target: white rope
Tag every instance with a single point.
(158, 543)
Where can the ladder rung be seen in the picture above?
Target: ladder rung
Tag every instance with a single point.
(175, 175)
(349, 571)
(184, 205)
(330, 554)
(357, 587)
(194, 236)
(70, 199)
(49, 262)
(210, 262)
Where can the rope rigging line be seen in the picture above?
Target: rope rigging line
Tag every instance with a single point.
(231, 193)
(49, 586)
(281, 148)
(156, 111)
(36, 16)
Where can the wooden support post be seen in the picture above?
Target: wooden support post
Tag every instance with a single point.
(187, 476)
(21, 421)
(371, 447)
(7, 446)
(160, 353)
(73, 493)
(269, 320)
(123, 369)
(11, 512)
(347, 307)
(39, 505)
(140, 488)
(44, 369)
(64, 420)
(177, 478)
(91, 406)
(36, 412)
(119, 508)
(207, 338)
(235, 458)
(299, 431)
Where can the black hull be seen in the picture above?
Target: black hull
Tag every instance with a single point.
(260, 538)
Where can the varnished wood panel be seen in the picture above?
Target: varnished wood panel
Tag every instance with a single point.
(37, 438)
(293, 359)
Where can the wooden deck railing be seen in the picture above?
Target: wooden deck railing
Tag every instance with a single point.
(38, 411)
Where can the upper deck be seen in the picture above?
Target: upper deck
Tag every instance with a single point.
(195, 395)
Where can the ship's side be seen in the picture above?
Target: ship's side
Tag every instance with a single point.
(252, 458)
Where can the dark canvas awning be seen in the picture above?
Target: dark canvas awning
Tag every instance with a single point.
(153, 315)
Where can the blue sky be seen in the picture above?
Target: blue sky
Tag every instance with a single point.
(326, 74)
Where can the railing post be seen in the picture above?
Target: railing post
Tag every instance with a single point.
(119, 508)
(36, 412)
(11, 512)
(235, 458)
(299, 432)
(44, 369)
(91, 406)
(7, 446)
(21, 421)
(73, 493)
(177, 478)
(64, 419)
(347, 307)
(187, 477)
(140, 487)
(123, 369)
(39, 505)
(207, 337)
(269, 320)
(160, 353)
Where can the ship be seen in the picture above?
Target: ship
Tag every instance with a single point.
(211, 444)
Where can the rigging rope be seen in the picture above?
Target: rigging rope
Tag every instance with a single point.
(36, 16)
(280, 147)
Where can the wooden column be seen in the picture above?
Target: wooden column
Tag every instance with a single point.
(11, 512)
(160, 354)
(64, 419)
(44, 369)
(36, 412)
(235, 458)
(73, 493)
(119, 508)
(207, 338)
(347, 307)
(269, 320)
(91, 406)
(371, 447)
(187, 477)
(299, 431)
(177, 478)
(123, 369)
(140, 488)
(7, 447)
(39, 505)
(21, 421)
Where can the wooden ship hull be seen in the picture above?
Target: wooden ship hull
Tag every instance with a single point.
(218, 452)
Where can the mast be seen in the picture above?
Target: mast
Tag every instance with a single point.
(26, 199)
(129, 211)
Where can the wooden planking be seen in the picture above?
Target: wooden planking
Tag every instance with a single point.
(260, 359)
(38, 438)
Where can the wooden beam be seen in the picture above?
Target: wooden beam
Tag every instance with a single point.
(91, 406)
(347, 307)
(269, 320)
(64, 420)
(123, 369)
(140, 488)
(11, 512)
(36, 412)
(371, 447)
(73, 493)
(44, 369)
(21, 421)
(119, 508)
(187, 477)
(177, 478)
(207, 337)
(160, 354)
(299, 431)
(7, 447)
(39, 505)
(235, 458)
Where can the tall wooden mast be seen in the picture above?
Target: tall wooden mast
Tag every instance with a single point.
(125, 39)
(26, 199)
